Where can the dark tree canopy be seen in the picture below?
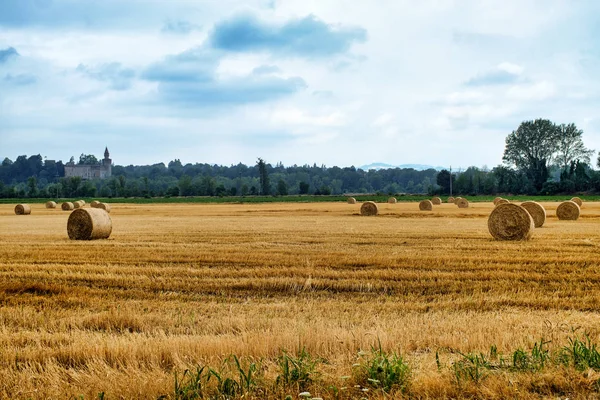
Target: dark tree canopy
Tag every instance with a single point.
(531, 147)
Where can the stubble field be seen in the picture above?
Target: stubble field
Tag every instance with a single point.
(183, 286)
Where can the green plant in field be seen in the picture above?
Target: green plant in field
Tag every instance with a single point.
(536, 361)
(471, 367)
(299, 370)
(581, 353)
(231, 387)
(385, 371)
(190, 385)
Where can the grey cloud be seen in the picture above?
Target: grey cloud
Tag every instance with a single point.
(7, 54)
(118, 77)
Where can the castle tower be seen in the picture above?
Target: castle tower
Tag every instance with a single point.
(107, 163)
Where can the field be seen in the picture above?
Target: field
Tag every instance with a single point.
(282, 298)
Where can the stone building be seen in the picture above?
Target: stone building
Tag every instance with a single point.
(102, 170)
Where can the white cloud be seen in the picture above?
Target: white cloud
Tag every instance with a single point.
(543, 90)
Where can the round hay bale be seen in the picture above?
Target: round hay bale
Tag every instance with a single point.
(51, 204)
(501, 201)
(67, 206)
(456, 199)
(462, 203)
(89, 224)
(578, 201)
(104, 206)
(450, 199)
(392, 200)
(22, 209)
(78, 204)
(568, 210)
(436, 201)
(425, 205)
(510, 222)
(369, 208)
(94, 203)
(537, 212)
(496, 200)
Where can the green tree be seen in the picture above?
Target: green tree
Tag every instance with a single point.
(32, 185)
(531, 147)
(443, 180)
(570, 147)
(303, 187)
(88, 159)
(282, 188)
(265, 186)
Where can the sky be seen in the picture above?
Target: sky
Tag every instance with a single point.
(333, 82)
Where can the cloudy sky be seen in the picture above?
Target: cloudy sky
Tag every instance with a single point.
(439, 82)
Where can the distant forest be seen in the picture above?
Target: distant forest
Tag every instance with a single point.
(540, 157)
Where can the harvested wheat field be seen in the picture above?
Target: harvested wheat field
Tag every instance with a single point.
(311, 299)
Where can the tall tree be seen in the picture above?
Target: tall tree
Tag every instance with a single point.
(443, 180)
(531, 147)
(570, 147)
(88, 159)
(265, 186)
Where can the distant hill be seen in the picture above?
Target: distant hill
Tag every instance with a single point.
(418, 167)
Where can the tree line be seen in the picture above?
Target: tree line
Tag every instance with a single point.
(540, 157)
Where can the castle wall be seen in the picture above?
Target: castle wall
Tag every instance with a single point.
(88, 171)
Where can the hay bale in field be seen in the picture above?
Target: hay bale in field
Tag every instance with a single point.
(78, 204)
(501, 201)
(456, 199)
(425, 205)
(104, 206)
(369, 208)
(89, 224)
(51, 204)
(497, 199)
(436, 201)
(22, 209)
(537, 212)
(578, 201)
(510, 222)
(351, 200)
(450, 199)
(462, 203)
(67, 206)
(392, 200)
(568, 210)
(94, 203)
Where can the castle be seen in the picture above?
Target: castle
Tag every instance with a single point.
(87, 171)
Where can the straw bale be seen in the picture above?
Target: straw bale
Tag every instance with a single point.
(392, 200)
(450, 199)
(578, 201)
(510, 222)
(501, 201)
(94, 203)
(537, 212)
(89, 224)
(105, 206)
(22, 209)
(51, 204)
(462, 203)
(369, 208)
(436, 201)
(78, 204)
(568, 210)
(425, 205)
(497, 199)
(67, 206)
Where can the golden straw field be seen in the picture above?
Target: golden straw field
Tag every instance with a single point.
(177, 286)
